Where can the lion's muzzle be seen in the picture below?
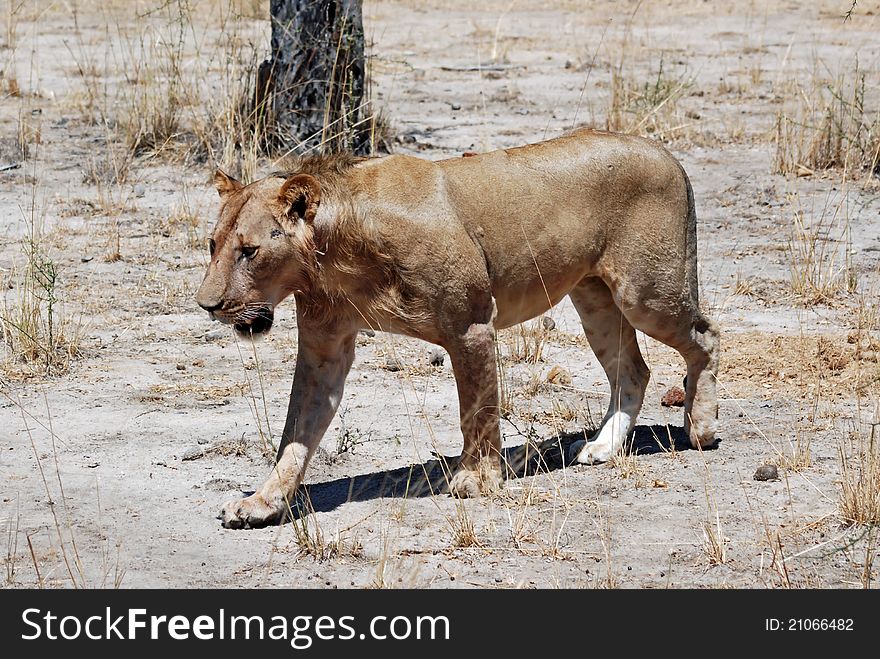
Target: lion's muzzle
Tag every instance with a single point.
(254, 321)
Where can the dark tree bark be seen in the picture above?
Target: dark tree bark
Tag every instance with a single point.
(314, 82)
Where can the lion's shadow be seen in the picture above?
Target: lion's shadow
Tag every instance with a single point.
(432, 477)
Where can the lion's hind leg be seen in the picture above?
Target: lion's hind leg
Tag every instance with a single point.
(700, 346)
(676, 320)
(613, 340)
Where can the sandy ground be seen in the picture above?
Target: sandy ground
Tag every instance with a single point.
(113, 472)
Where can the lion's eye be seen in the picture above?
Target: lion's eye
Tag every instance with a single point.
(248, 251)
(212, 246)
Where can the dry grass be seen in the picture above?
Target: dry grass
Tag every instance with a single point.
(830, 124)
(627, 465)
(39, 338)
(525, 342)
(187, 88)
(648, 107)
(859, 501)
(311, 541)
(809, 367)
(799, 455)
(463, 532)
(189, 97)
(818, 251)
(186, 222)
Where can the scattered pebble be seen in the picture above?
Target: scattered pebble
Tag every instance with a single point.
(368, 332)
(559, 375)
(181, 366)
(437, 356)
(548, 323)
(674, 397)
(140, 190)
(193, 453)
(215, 335)
(393, 364)
(767, 472)
(456, 106)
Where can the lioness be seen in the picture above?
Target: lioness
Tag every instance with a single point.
(450, 252)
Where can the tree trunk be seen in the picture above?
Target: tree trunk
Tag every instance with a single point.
(314, 82)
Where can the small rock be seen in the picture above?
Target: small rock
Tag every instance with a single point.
(548, 323)
(86, 259)
(559, 375)
(436, 357)
(456, 106)
(674, 397)
(767, 472)
(193, 453)
(215, 335)
(393, 364)
(368, 332)
(181, 366)
(140, 190)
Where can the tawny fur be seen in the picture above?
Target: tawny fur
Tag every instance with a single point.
(451, 251)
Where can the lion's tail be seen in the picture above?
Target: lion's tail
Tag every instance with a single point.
(691, 245)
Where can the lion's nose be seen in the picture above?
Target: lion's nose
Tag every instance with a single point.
(211, 307)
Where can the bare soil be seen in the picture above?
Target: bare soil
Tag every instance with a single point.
(112, 471)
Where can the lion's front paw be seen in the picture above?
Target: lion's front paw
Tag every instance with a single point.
(486, 479)
(251, 512)
(590, 452)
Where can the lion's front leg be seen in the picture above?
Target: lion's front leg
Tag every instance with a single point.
(271, 503)
(473, 361)
(317, 389)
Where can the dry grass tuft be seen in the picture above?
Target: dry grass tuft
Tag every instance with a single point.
(39, 338)
(818, 252)
(647, 108)
(525, 342)
(859, 500)
(830, 126)
(799, 455)
(463, 532)
(310, 538)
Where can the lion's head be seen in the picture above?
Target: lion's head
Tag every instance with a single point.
(261, 249)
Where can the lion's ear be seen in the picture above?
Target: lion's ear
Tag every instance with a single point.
(225, 184)
(300, 197)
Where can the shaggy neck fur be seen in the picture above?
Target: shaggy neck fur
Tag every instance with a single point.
(345, 263)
